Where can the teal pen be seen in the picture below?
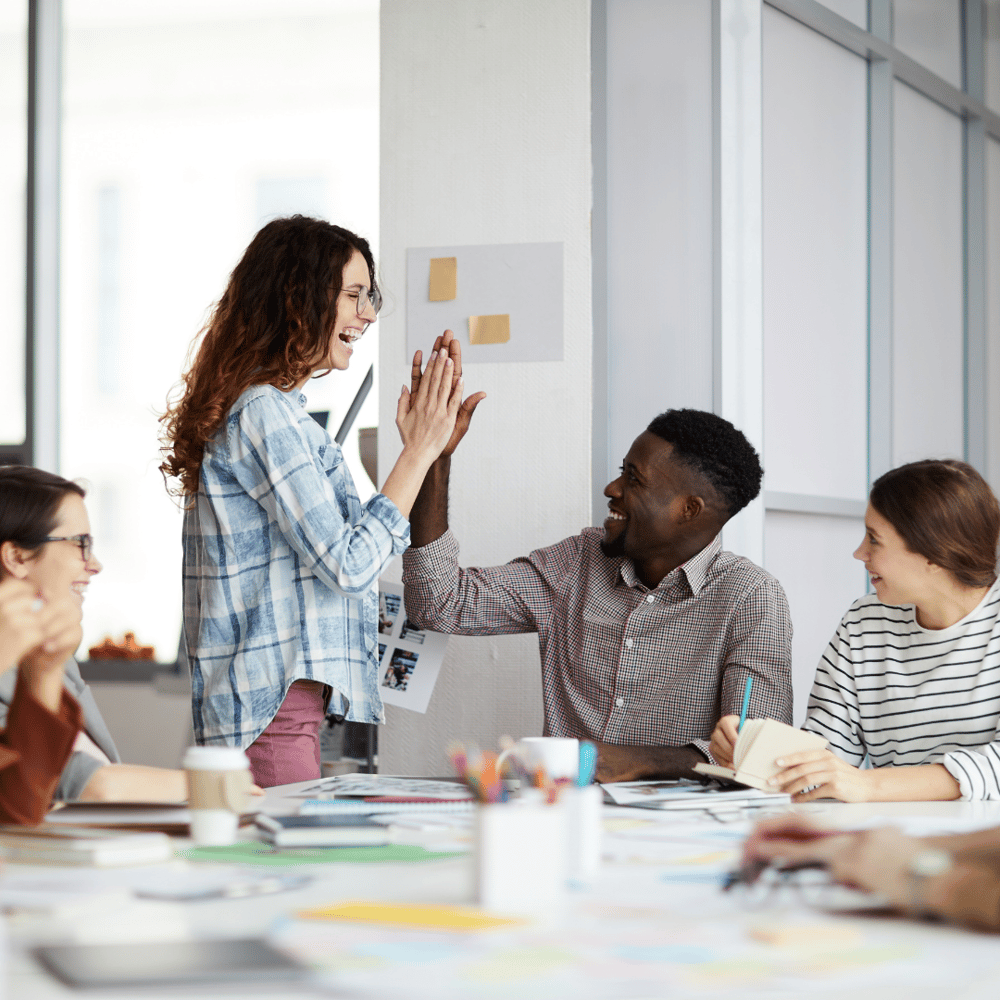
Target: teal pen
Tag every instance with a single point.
(746, 703)
(588, 763)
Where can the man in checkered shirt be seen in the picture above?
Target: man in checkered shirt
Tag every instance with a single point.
(648, 630)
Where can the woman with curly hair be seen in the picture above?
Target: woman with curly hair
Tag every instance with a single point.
(281, 560)
(911, 679)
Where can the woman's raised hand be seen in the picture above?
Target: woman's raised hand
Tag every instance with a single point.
(20, 622)
(426, 415)
(449, 342)
(39, 635)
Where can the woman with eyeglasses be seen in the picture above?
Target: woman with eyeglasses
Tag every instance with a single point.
(911, 679)
(281, 560)
(45, 543)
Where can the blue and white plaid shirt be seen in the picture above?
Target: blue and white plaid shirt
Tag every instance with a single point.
(281, 565)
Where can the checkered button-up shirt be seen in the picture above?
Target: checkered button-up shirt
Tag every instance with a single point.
(281, 565)
(620, 662)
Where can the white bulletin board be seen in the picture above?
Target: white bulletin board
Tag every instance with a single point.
(520, 281)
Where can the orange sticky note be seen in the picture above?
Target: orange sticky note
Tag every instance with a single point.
(489, 329)
(444, 279)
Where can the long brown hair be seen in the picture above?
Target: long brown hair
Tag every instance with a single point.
(945, 511)
(273, 322)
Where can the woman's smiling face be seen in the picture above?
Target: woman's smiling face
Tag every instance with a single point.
(348, 326)
(898, 575)
(58, 567)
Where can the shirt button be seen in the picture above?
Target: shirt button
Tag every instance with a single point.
(628, 643)
(650, 598)
(619, 702)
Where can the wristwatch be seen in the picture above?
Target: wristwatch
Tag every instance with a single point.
(922, 866)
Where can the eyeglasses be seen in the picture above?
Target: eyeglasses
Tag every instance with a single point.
(810, 885)
(85, 542)
(366, 297)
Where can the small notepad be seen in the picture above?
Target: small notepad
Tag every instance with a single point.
(759, 743)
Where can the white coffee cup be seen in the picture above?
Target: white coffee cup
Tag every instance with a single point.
(558, 755)
(218, 793)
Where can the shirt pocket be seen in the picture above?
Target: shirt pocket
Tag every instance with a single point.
(599, 647)
(336, 472)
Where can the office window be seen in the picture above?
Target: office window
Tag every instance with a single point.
(815, 263)
(930, 32)
(660, 214)
(185, 126)
(928, 341)
(109, 290)
(13, 186)
(993, 308)
(804, 550)
(855, 11)
(991, 41)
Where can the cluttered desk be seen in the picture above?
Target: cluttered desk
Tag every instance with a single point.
(403, 915)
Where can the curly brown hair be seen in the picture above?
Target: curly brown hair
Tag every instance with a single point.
(272, 324)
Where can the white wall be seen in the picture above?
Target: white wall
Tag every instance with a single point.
(486, 139)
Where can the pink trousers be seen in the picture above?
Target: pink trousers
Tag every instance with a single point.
(288, 750)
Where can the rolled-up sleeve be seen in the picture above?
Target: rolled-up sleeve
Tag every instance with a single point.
(497, 600)
(760, 649)
(977, 770)
(37, 744)
(272, 461)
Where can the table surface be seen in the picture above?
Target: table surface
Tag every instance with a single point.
(653, 923)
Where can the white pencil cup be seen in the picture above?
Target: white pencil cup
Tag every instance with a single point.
(583, 808)
(521, 857)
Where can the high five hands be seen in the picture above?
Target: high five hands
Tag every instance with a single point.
(451, 344)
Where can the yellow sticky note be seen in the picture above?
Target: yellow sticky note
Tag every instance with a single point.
(444, 279)
(451, 918)
(489, 329)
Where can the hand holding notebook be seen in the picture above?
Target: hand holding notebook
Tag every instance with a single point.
(759, 743)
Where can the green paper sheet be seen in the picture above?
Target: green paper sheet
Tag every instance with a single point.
(255, 853)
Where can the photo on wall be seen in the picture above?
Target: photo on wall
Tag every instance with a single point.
(388, 611)
(411, 633)
(410, 656)
(402, 663)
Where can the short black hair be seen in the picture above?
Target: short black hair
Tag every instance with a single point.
(712, 446)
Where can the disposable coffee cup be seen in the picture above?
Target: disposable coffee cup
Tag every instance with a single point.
(218, 793)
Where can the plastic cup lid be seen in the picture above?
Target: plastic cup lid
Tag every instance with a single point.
(215, 759)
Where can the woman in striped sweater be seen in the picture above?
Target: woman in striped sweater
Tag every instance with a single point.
(911, 679)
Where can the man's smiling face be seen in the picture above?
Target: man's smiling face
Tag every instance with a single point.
(647, 502)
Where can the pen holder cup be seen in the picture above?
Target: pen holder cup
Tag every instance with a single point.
(583, 807)
(520, 857)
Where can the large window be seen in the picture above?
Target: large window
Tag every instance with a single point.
(856, 226)
(186, 126)
(13, 185)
